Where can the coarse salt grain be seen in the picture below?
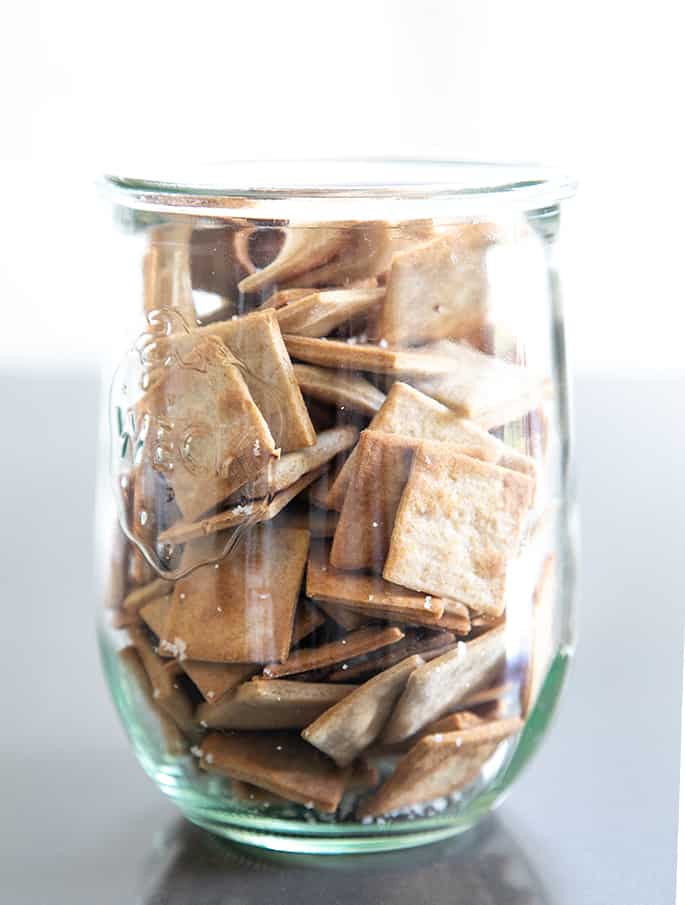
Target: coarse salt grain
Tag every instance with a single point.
(203, 723)
(156, 693)
(374, 524)
(383, 343)
(195, 751)
(209, 758)
(210, 695)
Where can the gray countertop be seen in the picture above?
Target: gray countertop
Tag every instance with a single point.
(593, 821)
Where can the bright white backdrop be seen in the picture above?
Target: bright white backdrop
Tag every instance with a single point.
(592, 87)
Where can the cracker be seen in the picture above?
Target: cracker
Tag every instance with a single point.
(411, 413)
(166, 691)
(241, 609)
(304, 249)
(319, 313)
(346, 618)
(136, 599)
(215, 680)
(272, 704)
(459, 623)
(360, 777)
(433, 644)
(280, 762)
(174, 741)
(252, 795)
(360, 642)
(487, 390)
(348, 391)
(441, 685)
(283, 472)
(487, 695)
(378, 359)
(278, 300)
(364, 253)
(154, 614)
(351, 725)
(256, 342)
(202, 417)
(381, 470)
(453, 722)
(438, 765)
(438, 288)
(250, 513)
(307, 619)
(166, 272)
(367, 592)
(457, 528)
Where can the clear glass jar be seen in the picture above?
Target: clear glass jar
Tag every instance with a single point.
(336, 509)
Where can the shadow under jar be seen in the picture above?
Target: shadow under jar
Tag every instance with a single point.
(337, 558)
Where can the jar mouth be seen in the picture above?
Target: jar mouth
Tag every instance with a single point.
(351, 188)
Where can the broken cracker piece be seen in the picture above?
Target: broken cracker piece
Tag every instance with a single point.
(350, 726)
(241, 609)
(319, 313)
(441, 685)
(484, 389)
(353, 645)
(272, 704)
(457, 527)
(438, 765)
(280, 762)
(378, 359)
(346, 390)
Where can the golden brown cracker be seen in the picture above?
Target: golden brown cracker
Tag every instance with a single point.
(341, 388)
(352, 645)
(377, 359)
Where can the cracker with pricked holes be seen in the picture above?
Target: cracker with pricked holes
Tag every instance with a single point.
(174, 740)
(438, 288)
(166, 272)
(350, 726)
(272, 704)
(441, 685)
(438, 765)
(341, 388)
(240, 609)
(214, 680)
(201, 415)
(378, 359)
(321, 312)
(253, 512)
(485, 389)
(304, 249)
(256, 342)
(369, 592)
(382, 466)
(457, 528)
(425, 644)
(280, 762)
(356, 643)
(411, 413)
(284, 472)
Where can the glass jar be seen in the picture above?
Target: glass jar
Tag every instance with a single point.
(336, 509)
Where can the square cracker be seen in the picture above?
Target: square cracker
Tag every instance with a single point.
(413, 414)
(356, 643)
(438, 765)
(280, 762)
(381, 470)
(348, 391)
(201, 416)
(457, 527)
(441, 685)
(332, 353)
(321, 312)
(485, 389)
(351, 725)
(438, 288)
(272, 704)
(256, 342)
(241, 609)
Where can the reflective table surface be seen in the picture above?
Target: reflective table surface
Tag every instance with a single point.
(593, 821)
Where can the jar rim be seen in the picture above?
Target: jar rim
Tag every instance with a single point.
(337, 189)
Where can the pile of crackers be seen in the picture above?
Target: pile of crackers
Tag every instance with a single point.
(319, 517)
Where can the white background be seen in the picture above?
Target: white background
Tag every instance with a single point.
(593, 87)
